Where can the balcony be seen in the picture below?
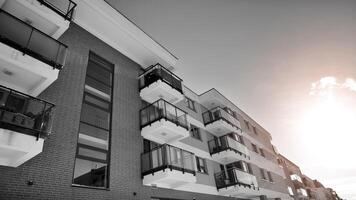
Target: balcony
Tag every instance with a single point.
(50, 16)
(168, 167)
(219, 122)
(235, 182)
(162, 122)
(158, 82)
(24, 123)
(227, 149)
(29, 59)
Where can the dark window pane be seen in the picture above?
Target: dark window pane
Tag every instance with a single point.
(90, 173)
(97, 72)
(95, 116)
(82, 151)
(97, 101)
(98, 85)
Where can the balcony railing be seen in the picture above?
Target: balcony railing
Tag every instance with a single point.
(225, 143)
(167, 157)
(218, 113)
(231, 178)
(25, 114)
(64, 8)
(158, 72)
(29, 40)
(162, 109)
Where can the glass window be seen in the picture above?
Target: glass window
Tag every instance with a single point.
(254, 130)
(254, 147)
(92, 158)
(262, 152)
(263, 175)
(247, 124)
(195, 132)
(201, 165)
(190, 104)
(269, 174)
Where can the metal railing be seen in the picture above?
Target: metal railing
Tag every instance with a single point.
(167, 157)
(25, 114)
(29, 40)
(162, 109)
(158, 72)
(64, 8)
(235, 176)
(218, 113)
(225, 143)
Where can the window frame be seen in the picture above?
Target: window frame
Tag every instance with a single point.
(190, 104)
(254, 148)
(270, 178)
(199, 166)
(193, 134)
(263, 175)
(108, 66)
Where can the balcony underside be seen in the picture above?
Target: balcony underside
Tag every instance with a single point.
(168, 178)
(24, 73)
(158, 90)
(17, 148)
(39, 16)
(164, 131)
(228, 156)
(220, 128)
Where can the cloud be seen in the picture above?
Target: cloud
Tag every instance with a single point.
(327, 84)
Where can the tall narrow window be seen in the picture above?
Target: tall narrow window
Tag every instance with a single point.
(262, 152)
(254, 147)
(247, 124)
(254, 130)
(263, 175)
(270, 177)
(201, 165)
(195, 132)
(190, 104)
(92, 158)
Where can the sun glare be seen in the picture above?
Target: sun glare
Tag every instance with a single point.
(329, 129)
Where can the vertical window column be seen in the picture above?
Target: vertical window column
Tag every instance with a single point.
(93, 148)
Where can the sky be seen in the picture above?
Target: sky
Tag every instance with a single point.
(289, 64)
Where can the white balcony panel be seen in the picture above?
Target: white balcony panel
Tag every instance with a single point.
(246, 178)
(164, 131)
(240, 191)
(220, 128)
(39, 16)
(228, 156)
(169, 179)
(23, 72)
(158, 90)
(17, 148)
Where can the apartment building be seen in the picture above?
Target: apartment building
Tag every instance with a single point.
(317, 191)
(296, 187)
(90, 109)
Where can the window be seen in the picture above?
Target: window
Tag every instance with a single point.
(263, 175)
(92, 156)
(254, 147)
(195, 132)
(201, 165)
(249, 168)
(190, 104)
(254, 130)
(247, 124)
(269, 176)
(262, 152)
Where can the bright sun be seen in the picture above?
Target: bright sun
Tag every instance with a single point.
(329, 131)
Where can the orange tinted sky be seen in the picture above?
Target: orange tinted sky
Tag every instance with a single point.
(264, 55)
